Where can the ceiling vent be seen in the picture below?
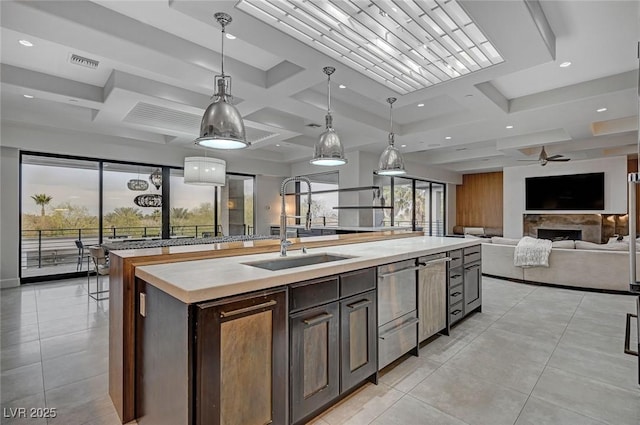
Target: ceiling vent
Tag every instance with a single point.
(313, 125)
(82, 61)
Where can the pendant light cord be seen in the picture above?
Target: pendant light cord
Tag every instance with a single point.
(329, 93)
(222, 53)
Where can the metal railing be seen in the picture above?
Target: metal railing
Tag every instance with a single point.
(57, 247)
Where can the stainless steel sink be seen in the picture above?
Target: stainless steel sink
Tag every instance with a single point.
(298, 261)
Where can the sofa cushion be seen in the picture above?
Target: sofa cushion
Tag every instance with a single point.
(568, 244)
(504, 241)
(617, 246)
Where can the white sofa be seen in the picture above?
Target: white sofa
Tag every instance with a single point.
(606, 267)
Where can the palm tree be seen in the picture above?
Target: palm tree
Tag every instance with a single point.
(41, 199)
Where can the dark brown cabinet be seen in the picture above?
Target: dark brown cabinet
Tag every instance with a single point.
(465, 282)
(472, 287)
(314, 325)
(241, 360)
(332, 323)
(358, 339)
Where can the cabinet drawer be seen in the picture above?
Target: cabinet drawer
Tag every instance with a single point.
(456, 258)
(397, 338)
(455, 295)
(313, 292)
(455, 277)
(356, 282)
(471, 254)
(455, 313)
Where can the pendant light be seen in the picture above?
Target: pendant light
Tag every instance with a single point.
(204, 171)
(391, 162)
(222, 126)
(328, 150)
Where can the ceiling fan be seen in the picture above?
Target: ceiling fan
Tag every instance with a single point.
(544, 158)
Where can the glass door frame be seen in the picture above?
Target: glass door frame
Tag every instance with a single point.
(166, 202)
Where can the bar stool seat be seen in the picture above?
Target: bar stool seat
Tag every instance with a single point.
(100, 268)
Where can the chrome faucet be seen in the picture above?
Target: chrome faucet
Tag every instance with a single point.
(284, 243)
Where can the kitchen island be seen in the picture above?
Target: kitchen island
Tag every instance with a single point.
(259, 339)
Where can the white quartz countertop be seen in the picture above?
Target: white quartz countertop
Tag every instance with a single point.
(201, 280)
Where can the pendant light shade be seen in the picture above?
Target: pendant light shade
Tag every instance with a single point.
(204, 171)
(328, 150)
(391, 162)
(222, 126)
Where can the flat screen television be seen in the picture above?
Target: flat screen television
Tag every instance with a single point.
(570, 192)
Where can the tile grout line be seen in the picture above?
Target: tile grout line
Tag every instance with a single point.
(44, 392)
(547, 363)
(443, 363)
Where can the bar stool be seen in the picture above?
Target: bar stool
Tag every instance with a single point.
(81, 255)
(101, 268)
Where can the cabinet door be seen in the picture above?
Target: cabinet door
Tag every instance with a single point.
(432, 300)
(241, 364)
(315, 379)
(472, 287)
(358, 339)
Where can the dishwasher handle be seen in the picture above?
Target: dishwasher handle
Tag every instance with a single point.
(425, 264)
(407, 269)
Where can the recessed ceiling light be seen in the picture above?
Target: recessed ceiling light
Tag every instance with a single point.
(601, 110)
(565, 64)
(278, 144)
(420, 105)
(342, 86)
(231, 36)
(448, 138)
(468, 95)
(26, 43)
(509, 127)
(28, 96)
(403, 146)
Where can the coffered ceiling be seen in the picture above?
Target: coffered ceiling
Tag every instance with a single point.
(157, 58)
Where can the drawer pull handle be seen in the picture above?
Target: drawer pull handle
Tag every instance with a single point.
(324, 317)
(627, 336)
(455, 258)
(471, 253)
(455, 294)
(248, 309)
(455, 276)
(399, 328)
(359, 304)
(456, 312)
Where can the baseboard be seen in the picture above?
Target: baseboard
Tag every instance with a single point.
(554, 285)
(9, 283)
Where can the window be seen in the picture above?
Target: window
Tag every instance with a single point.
(324, 198)
(417, 203)
(59, 205)
(192, 209)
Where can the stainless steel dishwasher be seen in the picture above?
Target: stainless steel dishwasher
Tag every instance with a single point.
(397, 311)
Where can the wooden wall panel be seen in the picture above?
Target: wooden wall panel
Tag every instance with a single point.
(479, 200)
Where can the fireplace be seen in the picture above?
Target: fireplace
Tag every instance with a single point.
(559, 234)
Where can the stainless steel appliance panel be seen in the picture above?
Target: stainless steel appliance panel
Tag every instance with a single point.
(396, 290)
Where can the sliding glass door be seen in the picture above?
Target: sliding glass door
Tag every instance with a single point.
(59, 206)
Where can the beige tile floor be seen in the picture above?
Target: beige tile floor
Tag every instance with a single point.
(534, 356)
